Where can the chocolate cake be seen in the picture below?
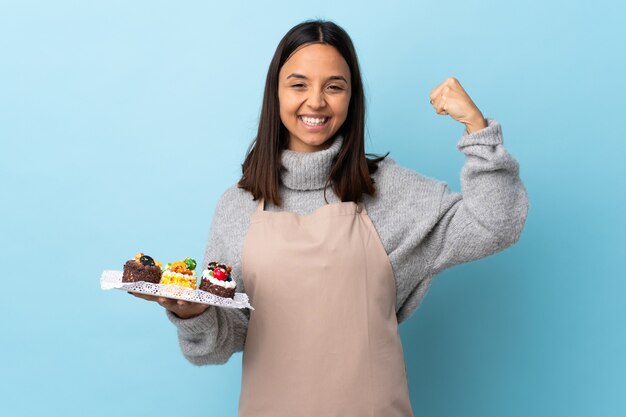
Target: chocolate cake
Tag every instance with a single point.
(142, 268)
(205, 285)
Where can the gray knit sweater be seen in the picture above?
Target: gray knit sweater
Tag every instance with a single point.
(423, 227)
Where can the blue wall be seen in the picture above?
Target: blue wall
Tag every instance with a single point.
(122, 122)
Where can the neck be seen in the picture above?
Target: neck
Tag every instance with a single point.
(309, 170)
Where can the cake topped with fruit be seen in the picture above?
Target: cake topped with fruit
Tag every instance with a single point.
(181, 273)
(217, 280)
(142, 268)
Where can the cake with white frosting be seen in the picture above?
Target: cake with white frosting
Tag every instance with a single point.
(216, 280)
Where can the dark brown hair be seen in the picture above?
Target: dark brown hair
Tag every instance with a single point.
(351, 171)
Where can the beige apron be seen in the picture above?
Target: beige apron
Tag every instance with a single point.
(323, 338)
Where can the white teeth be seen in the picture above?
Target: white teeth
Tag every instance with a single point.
(314, 121)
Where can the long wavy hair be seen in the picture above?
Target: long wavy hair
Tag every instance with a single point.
(350, 175)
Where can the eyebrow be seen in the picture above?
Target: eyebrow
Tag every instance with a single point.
(332, 77)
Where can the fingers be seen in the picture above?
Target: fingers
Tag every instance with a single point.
(183, 309)
(177, 306)
(144, 296)
(440, 95)
(438, 98)
(167, 303)
(172, 302)
(162, 301)
(439, 104)
(187, 310)
(436, 92)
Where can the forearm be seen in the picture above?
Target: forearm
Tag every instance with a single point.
(490, 184)
(489, 214)
(477, 123)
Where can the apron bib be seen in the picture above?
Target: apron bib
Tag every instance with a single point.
(323, 339)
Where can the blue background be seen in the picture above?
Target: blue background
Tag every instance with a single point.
(121, 123)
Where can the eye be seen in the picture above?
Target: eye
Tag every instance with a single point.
(299, 85)
(335, 87)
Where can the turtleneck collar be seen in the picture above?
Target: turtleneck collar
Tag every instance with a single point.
(308, 170)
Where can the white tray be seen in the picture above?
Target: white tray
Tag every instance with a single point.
(113, 280)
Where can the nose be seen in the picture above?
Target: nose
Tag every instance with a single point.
(316, 100)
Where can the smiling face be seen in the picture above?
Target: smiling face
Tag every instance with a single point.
(314, 94)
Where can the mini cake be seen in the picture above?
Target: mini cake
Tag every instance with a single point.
(142, 268)
(180, 273)
(216, 279)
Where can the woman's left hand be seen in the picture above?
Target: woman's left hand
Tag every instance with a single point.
(449, 98)
(182, 309)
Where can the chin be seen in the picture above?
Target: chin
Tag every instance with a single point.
(310, 144)
(321, 142)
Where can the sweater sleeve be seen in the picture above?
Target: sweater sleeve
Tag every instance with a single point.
(213, 336)
(489, 213)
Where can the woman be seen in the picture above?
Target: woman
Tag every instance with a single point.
(334, 249)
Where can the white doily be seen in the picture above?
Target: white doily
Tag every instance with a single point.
(113, 280)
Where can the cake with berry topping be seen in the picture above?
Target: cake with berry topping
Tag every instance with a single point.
(216, 279)
(181, 273)
(142, 268)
